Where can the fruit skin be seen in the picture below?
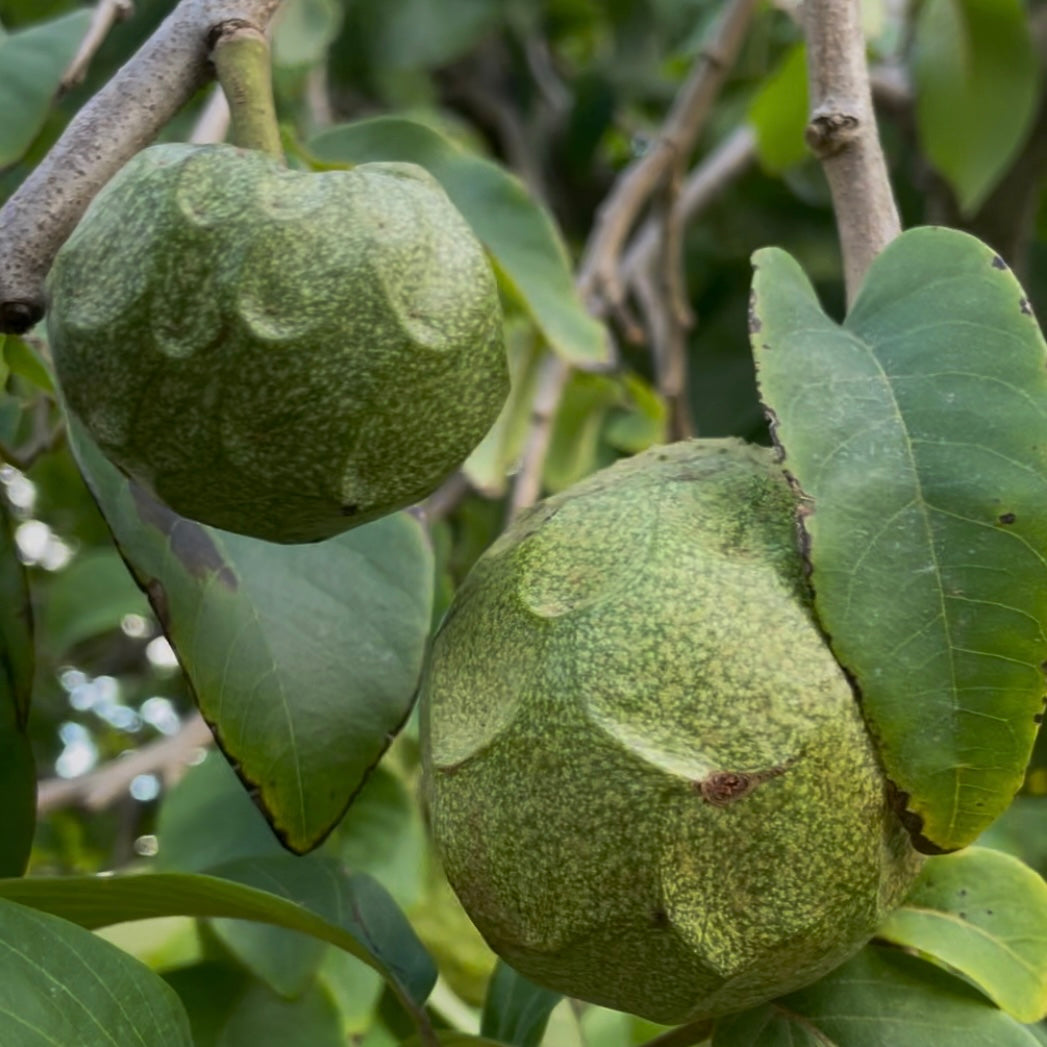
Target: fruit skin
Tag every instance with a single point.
(281, 353)
(648, 779)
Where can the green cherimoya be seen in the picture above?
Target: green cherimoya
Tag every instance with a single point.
(281, 353)
(649, 780)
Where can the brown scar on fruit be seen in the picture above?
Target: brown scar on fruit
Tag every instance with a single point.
(722, 788)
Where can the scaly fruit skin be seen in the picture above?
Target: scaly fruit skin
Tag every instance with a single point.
(281, 353)
(648, 779)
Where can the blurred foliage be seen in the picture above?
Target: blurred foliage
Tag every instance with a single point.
(546, 101)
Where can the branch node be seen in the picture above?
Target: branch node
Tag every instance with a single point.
(831, 129)
(18, 317)
(222, 31)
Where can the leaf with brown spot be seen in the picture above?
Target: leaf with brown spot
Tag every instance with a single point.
(303, 658)
(917, 430)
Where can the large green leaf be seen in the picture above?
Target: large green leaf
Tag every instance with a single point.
(517, 231)
(878, 998)
(61, 985)
(977, 87)
(516, 1010)
(315, 896)
(303, 658)
(985, 914)
(917, 434)
(17, 769)
(32, 62)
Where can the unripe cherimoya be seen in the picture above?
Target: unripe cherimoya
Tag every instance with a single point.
(648, 778)
(281, 353)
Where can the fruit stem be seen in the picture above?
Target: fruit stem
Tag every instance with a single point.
(240, 54)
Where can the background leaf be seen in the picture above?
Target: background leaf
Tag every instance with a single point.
(89, 597)
(32, 62)
(917, 433)
(303, 659)
(516, 1010)
(977, 83)
(778, 113)
(519, 234)
(879, 997)
(63, 985)
(315, 897)
(17, 768)
(985, 914)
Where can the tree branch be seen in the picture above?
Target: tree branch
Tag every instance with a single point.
(599, 280)
(842, 133)
(105, 15)
(115, 124)
(167, 757)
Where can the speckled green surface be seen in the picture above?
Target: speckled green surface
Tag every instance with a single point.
(281, 353)
(619, 646)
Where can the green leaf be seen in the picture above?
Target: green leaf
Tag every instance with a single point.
(778, 113)
(917, 435)
(89, 597)
(303, 658)
(977, 87)
(209, 991)
(382, 834)
(417, 33)
(25, 361)
(516, 1010)
(32, 62)
(878, 998)
(520, 235)
(17, 663)
(17, 769)
(492, 459)
(207, 819)
(313, 896)
(62, 985)
(574, 447)
(303, 30)
(985, 914)
(261, 1017)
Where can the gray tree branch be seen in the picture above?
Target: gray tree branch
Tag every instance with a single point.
(116, 123)
(842, 133)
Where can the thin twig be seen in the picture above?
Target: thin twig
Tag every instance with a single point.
(552, 380)
(121, 119)
(104, 16)
(446, 497)
(728, 161)
(212, 125)
(166, 757)
(842, 133)
(599, 279)
(669, 313)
